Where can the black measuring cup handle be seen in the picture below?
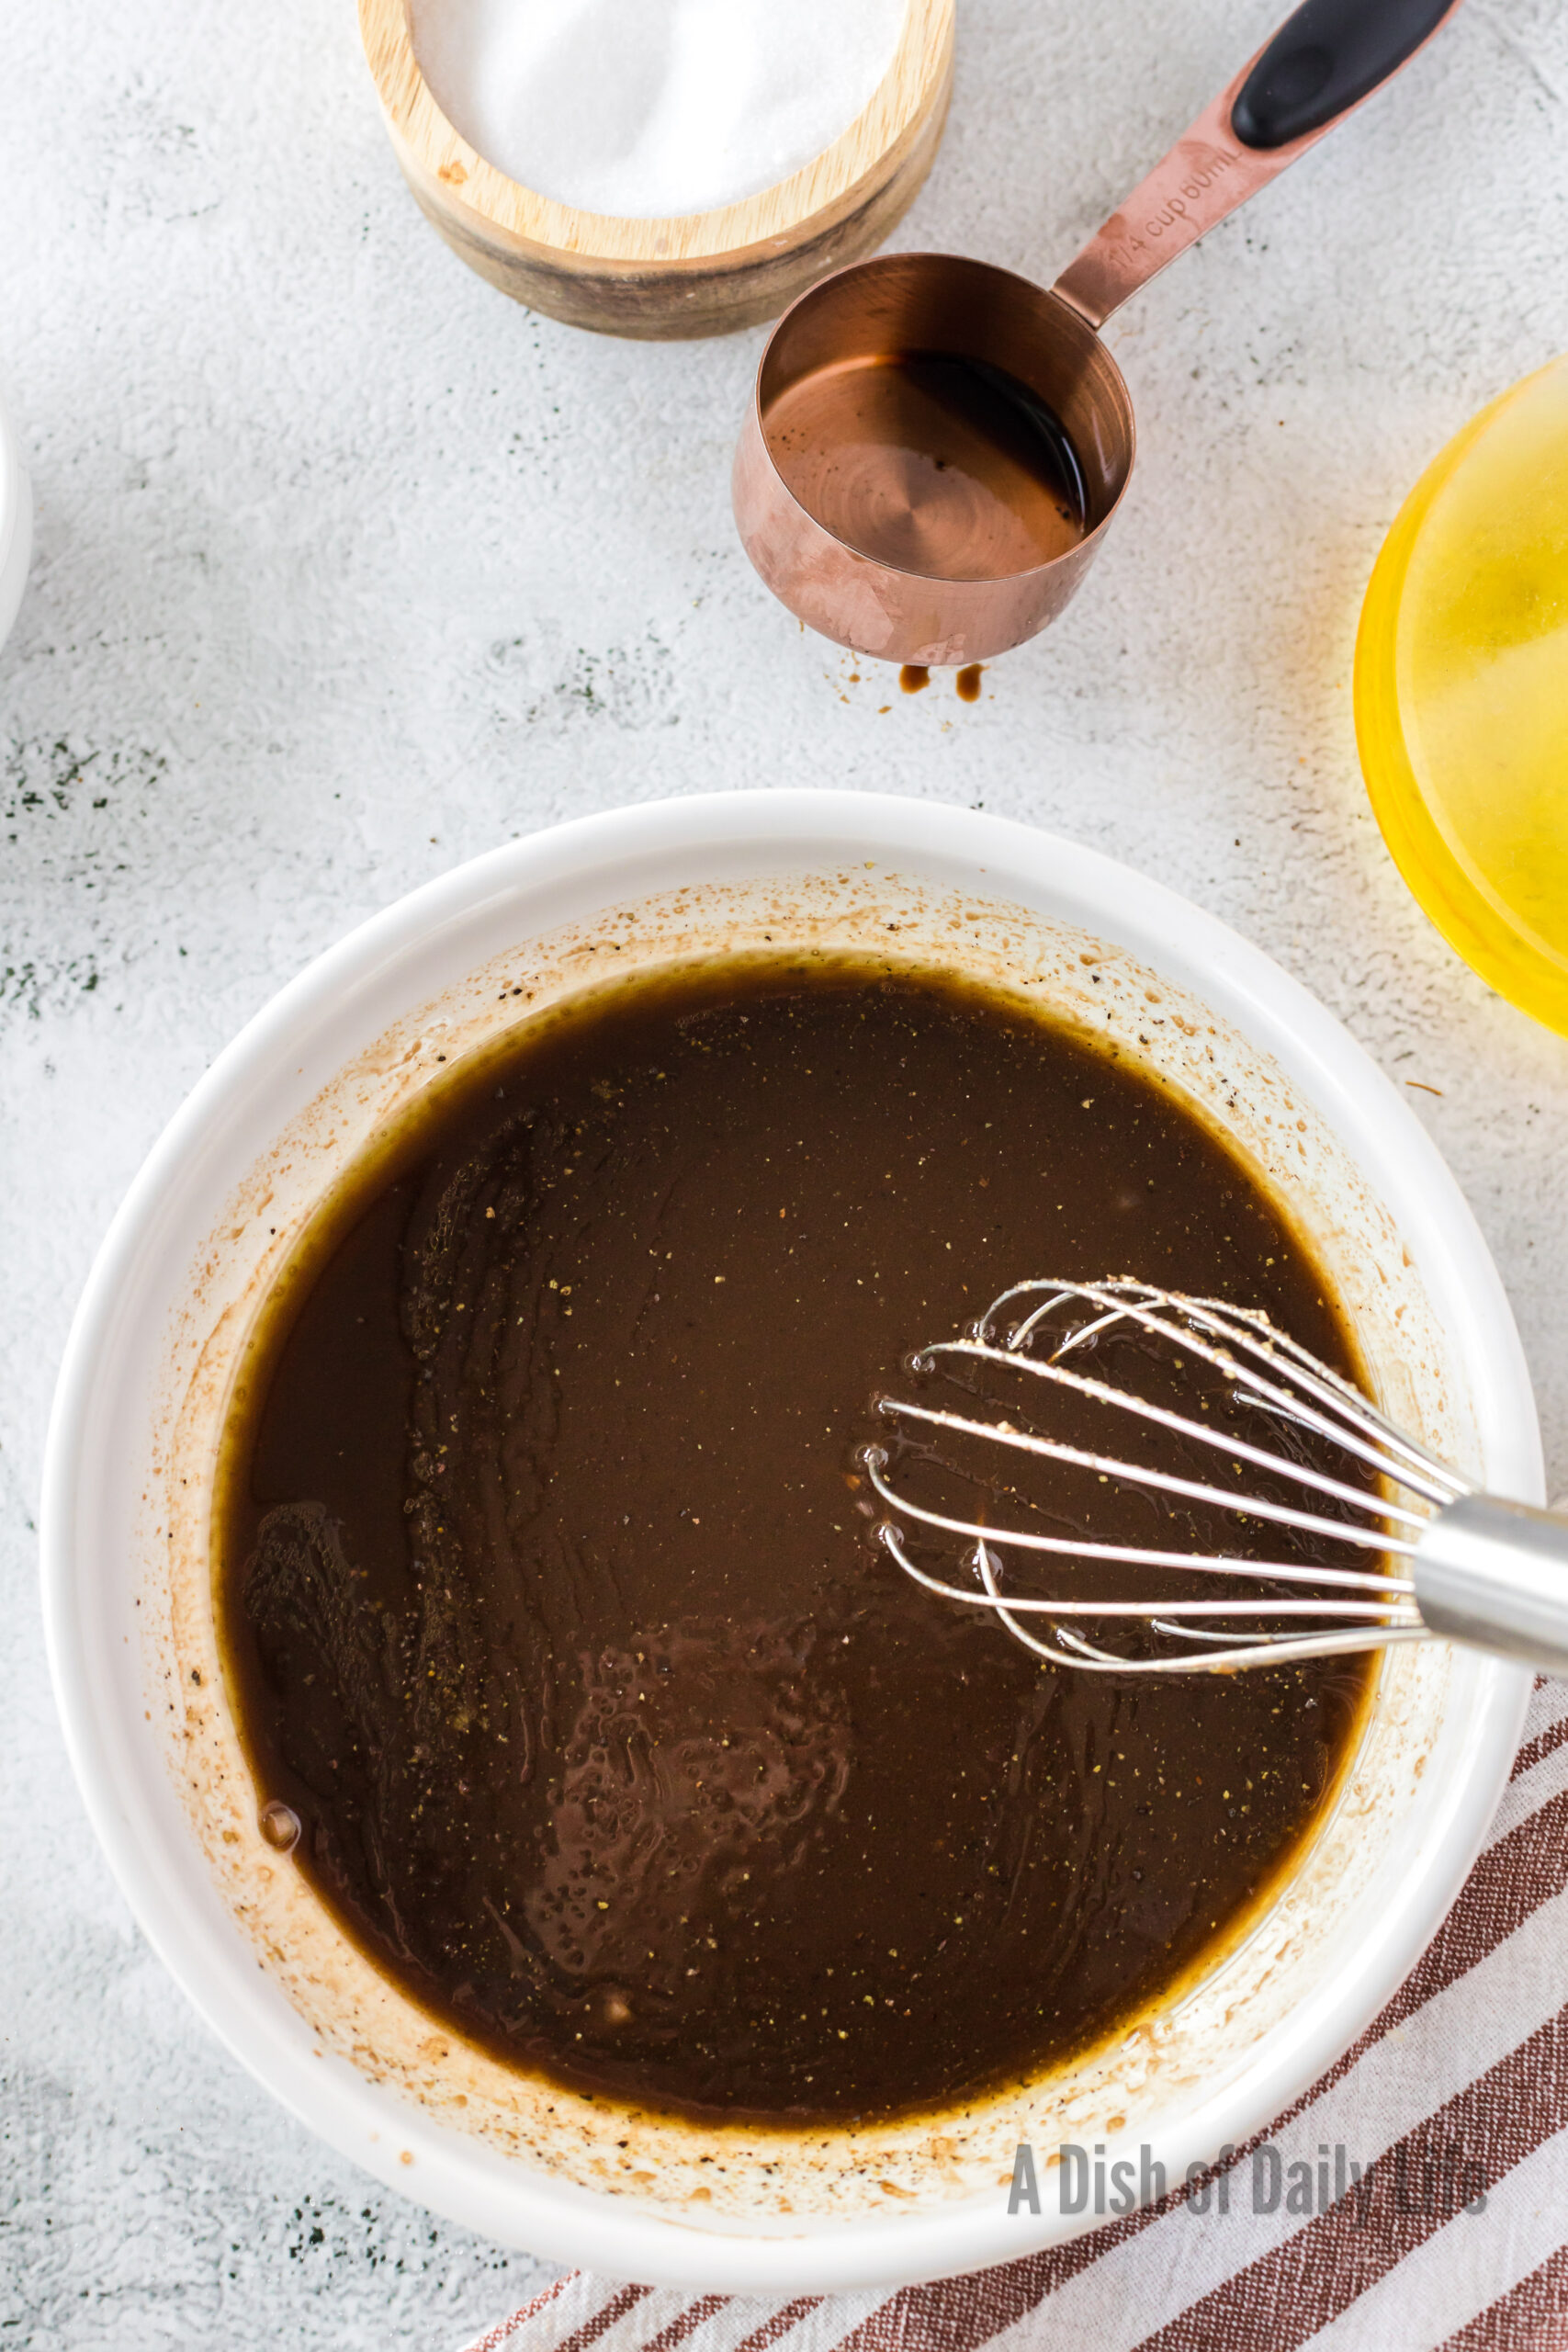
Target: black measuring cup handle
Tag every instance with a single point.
(1320, 65)
(1324, 60)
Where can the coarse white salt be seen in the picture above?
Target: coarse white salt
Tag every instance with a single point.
(653, 107)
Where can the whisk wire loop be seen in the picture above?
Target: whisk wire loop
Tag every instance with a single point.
(1357, 1424)
(1079, 1547)
(1181, 1424)
(1263, 1370)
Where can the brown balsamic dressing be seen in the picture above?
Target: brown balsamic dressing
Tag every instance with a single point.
(551, 1612)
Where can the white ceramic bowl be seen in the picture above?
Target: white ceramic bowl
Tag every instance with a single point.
(209, 1225)
(16, 525)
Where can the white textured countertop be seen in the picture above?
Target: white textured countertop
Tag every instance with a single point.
(347, 569)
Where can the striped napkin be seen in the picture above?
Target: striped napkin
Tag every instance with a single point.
(1454, 2103)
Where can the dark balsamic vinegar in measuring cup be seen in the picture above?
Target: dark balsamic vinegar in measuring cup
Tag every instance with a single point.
(937, 463)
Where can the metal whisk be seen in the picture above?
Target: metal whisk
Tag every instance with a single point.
(1380, 1542)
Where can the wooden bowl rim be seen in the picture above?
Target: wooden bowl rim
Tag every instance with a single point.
(771, 220)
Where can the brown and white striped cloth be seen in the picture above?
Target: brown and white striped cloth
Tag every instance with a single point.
(1460, 2085)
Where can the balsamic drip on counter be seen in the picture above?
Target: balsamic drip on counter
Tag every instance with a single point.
(551, 1603)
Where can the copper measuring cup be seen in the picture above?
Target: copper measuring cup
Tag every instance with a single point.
(951, 604)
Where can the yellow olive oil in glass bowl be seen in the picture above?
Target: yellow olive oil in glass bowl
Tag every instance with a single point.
(1461, 692)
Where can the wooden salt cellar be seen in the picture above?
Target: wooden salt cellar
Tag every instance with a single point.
(702, 272)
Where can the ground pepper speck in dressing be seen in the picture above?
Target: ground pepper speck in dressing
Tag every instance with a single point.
(551, 1609)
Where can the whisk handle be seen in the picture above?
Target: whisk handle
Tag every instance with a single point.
(1495, 1573)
